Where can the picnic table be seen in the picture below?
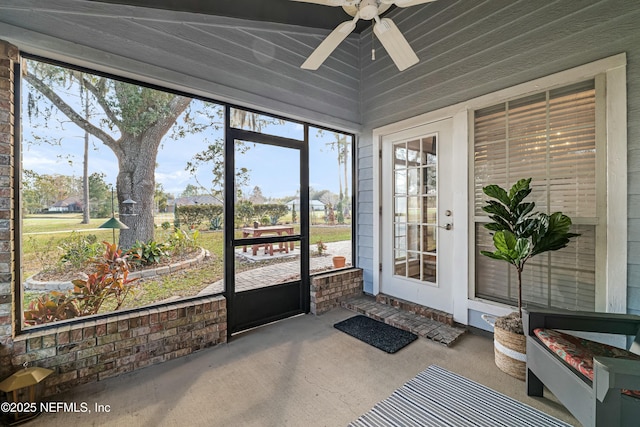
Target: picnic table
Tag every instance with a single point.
(271, 229)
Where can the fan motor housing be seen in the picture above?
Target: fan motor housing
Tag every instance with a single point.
(368, 9)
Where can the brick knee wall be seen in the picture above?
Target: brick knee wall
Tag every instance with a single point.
(83, 352)
(328, 290)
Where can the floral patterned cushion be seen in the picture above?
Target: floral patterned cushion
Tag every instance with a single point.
(579, 352)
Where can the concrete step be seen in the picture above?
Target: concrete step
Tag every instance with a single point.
(422, 326)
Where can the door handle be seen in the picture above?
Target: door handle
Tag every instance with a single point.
(447, 226)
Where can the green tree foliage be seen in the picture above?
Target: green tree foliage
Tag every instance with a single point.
(245, 212)
(213, 156)
(191, 190)
(42, 191)
(161, 198)
(99, 196)
(131, 120)
(256, 197)
(341, 144)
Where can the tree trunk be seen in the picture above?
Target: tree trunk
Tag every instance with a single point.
(85, 182)
(85, 168)
(136, 175)
(345, 160)
(136, 181)
(520, 292)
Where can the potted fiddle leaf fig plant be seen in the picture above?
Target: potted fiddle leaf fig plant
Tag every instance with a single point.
(519, 234)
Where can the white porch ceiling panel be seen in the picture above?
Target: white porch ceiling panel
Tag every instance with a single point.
(255, 64)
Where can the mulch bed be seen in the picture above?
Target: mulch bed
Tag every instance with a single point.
(68, 273)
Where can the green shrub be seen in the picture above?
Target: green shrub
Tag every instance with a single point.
(194, 215)
(79, 249)
(148, 253)
(181, 241)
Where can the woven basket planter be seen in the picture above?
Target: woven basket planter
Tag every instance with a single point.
(510, 352)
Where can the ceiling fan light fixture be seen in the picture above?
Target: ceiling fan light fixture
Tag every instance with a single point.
(368, 9)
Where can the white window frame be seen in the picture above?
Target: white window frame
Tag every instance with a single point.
(611, 291)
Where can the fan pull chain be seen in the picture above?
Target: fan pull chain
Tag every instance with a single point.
(373, 49)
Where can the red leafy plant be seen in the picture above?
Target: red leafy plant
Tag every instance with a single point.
(108, 281)
(50, 307)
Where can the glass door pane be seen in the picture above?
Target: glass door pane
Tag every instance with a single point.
(415, 208)
(267, 176)
(330, 198)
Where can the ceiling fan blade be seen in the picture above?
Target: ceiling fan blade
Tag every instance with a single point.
(405, 3)
(327, 2)
(329, 44)
(395, 44)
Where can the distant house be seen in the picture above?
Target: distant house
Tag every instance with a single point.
(197, 200)
(70, 204)
(315, 205)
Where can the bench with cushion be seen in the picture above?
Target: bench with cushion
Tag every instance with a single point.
(599, 384)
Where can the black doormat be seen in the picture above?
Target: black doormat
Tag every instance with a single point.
(385, 337)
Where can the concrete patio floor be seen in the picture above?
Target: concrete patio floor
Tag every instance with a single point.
(297, 372)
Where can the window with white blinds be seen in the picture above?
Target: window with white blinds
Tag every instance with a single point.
(550, 137)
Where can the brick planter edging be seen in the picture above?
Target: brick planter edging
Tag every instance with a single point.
(31, 284)
(328, 290)
(94, 350)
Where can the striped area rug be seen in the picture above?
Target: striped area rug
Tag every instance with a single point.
(437, 397)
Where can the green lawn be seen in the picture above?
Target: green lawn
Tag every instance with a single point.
(57, 222)
(41, 250)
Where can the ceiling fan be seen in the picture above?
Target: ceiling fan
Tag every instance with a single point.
(389, 35)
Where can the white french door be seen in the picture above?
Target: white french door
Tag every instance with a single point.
(417, 217)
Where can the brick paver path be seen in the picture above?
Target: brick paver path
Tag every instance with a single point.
(270, 274)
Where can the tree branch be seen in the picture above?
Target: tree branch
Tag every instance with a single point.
(70, 112)
(176, 107)
(100, 98)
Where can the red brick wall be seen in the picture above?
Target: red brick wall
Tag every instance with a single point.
(92, 350)
(8, 56)
(328, 290)
(97, 349)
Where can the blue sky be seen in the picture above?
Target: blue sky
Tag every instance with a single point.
(273, 169)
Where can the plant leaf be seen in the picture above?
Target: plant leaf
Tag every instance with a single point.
(521, 185)
(522, 248)
(552, 233)
(497, 192)
(496, 255)
(492, 226)
(496, 208)
(504, 241)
